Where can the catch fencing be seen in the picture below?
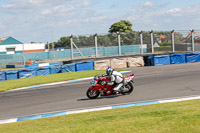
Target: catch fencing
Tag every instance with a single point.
(100, 45)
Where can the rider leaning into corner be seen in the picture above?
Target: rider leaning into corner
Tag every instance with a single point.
(116, 77)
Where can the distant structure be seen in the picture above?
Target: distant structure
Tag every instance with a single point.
(9, 45)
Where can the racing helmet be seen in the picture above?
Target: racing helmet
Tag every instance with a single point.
(109, 71)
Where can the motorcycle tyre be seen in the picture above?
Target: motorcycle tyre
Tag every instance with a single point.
(131, 89)
(92, 97)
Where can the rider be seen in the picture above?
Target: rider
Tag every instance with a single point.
(116, 77)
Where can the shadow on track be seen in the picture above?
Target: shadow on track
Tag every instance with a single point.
(99, 98)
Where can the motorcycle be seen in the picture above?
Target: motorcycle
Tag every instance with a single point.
(100, 87)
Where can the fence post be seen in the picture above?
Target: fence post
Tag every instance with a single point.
(95, 41)
(192, 33)
(72, 49)
(173, 46)
(119, 42)
(24, 62)
(152, 48)
(48, 46)
(141, 42)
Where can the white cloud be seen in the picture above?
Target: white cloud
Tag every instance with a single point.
(65, 17)
(86, 3)
(175, 10)
(148, 4)
(46, 12)
(94, 19)
(36, 2)
(8, 6)
(131, 18)
(99, 18)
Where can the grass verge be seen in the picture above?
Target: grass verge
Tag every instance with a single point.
(17, 83)
(179, 117)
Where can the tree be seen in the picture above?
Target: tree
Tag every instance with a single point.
(121, 26)
(63, 42)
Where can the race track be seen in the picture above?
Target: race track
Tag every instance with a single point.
(154, 82)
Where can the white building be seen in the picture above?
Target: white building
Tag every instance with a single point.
(9, 45)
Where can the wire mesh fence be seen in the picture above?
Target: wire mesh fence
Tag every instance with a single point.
(99, 45)
(16, 59)
(197, 40)
(183, 41)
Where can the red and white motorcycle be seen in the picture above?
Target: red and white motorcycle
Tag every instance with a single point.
(99, 86)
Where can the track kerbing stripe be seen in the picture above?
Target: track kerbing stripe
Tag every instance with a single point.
(95, 109)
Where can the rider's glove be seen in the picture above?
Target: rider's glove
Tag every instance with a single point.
(103, 82)
(110, 83)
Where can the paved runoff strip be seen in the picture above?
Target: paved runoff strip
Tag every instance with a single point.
(96, 109)
(56, 83)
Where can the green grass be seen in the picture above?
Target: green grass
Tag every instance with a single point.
(163, 48)
(12, 84)
(179, 117)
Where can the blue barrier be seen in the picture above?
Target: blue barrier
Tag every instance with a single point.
(42, 71)
(55, 69)
(29, 72)
(177, 58)
(10, 66)
(11, 74)
(82, 66)
(68, 68)
(2, 76)
(54, 63)
(150, 61)
(160, 60)
(192, 57)
(34, 65)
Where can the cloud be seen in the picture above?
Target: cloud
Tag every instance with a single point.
(94, 19)
(46, 12)
(36, 2)
(148, 4)
(36, 18)
(131, 18)
(2, 26)
(175, 10)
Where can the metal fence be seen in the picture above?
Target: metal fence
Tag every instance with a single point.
(99, 45)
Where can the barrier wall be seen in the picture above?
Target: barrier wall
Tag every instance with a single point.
(177, 58)
(42, 71)
(68, 68)
(135, 62)
(102, 65)
(82, 66)
(161, 60)
(118, 63)
(55, 69)
(12, 74)
(2, 76)
(192, 57)
(25, 73)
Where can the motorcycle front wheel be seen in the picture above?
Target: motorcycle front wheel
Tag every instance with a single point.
(129, 88)
(91, 94)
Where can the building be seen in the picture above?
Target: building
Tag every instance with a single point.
(9, 45)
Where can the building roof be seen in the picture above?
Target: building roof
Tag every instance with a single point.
(8, 41)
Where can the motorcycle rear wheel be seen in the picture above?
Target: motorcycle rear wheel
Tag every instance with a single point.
(91, 94)
(130, 88)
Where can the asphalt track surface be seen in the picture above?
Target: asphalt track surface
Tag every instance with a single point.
(153, 82)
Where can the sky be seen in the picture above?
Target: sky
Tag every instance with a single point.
(49, 20)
